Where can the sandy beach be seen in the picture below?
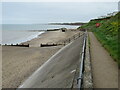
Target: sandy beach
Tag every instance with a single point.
(50, 37)
(18, 63)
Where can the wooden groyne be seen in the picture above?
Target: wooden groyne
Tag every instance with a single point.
(62, 29)
(53, 29)
(19, 45)
(48, 45)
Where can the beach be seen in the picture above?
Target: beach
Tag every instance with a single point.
(17, 33)
(50, 37)
(18, 63)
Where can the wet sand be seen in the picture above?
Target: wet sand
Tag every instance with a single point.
(18, 63)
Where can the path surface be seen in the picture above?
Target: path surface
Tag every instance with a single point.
(59, 70)
(105, 70)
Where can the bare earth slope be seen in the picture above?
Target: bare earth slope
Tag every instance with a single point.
(105, 69)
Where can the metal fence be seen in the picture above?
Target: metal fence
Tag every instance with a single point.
(81, 67)
(63, 42)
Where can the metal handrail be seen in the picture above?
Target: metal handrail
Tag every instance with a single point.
(79, 80)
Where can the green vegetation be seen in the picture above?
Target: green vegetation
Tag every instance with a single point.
(107, 33)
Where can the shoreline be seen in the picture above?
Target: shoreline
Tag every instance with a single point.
(17, 40)
(54, 36)
(36, 36)
(22, 39)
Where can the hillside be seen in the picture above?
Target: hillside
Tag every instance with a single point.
(106, 33)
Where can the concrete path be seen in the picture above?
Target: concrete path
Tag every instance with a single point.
(105, 69)
(59, 70)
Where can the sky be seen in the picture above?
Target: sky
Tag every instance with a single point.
(47, 12)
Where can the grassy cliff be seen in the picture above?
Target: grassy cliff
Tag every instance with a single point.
(106, 33)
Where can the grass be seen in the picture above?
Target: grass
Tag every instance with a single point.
(107, 34)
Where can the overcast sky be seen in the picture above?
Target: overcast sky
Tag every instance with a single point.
(45, 12)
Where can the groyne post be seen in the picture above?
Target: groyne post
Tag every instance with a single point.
(79, 34)
(64, 43)
(69, 40)
(28, 45)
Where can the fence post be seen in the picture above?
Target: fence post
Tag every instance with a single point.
(69, 40)
(64, 43)
(74, 37)
(79, 34)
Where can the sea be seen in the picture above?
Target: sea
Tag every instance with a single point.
(18, 33)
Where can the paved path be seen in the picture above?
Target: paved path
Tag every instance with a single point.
(105, 70)
(59, 70)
